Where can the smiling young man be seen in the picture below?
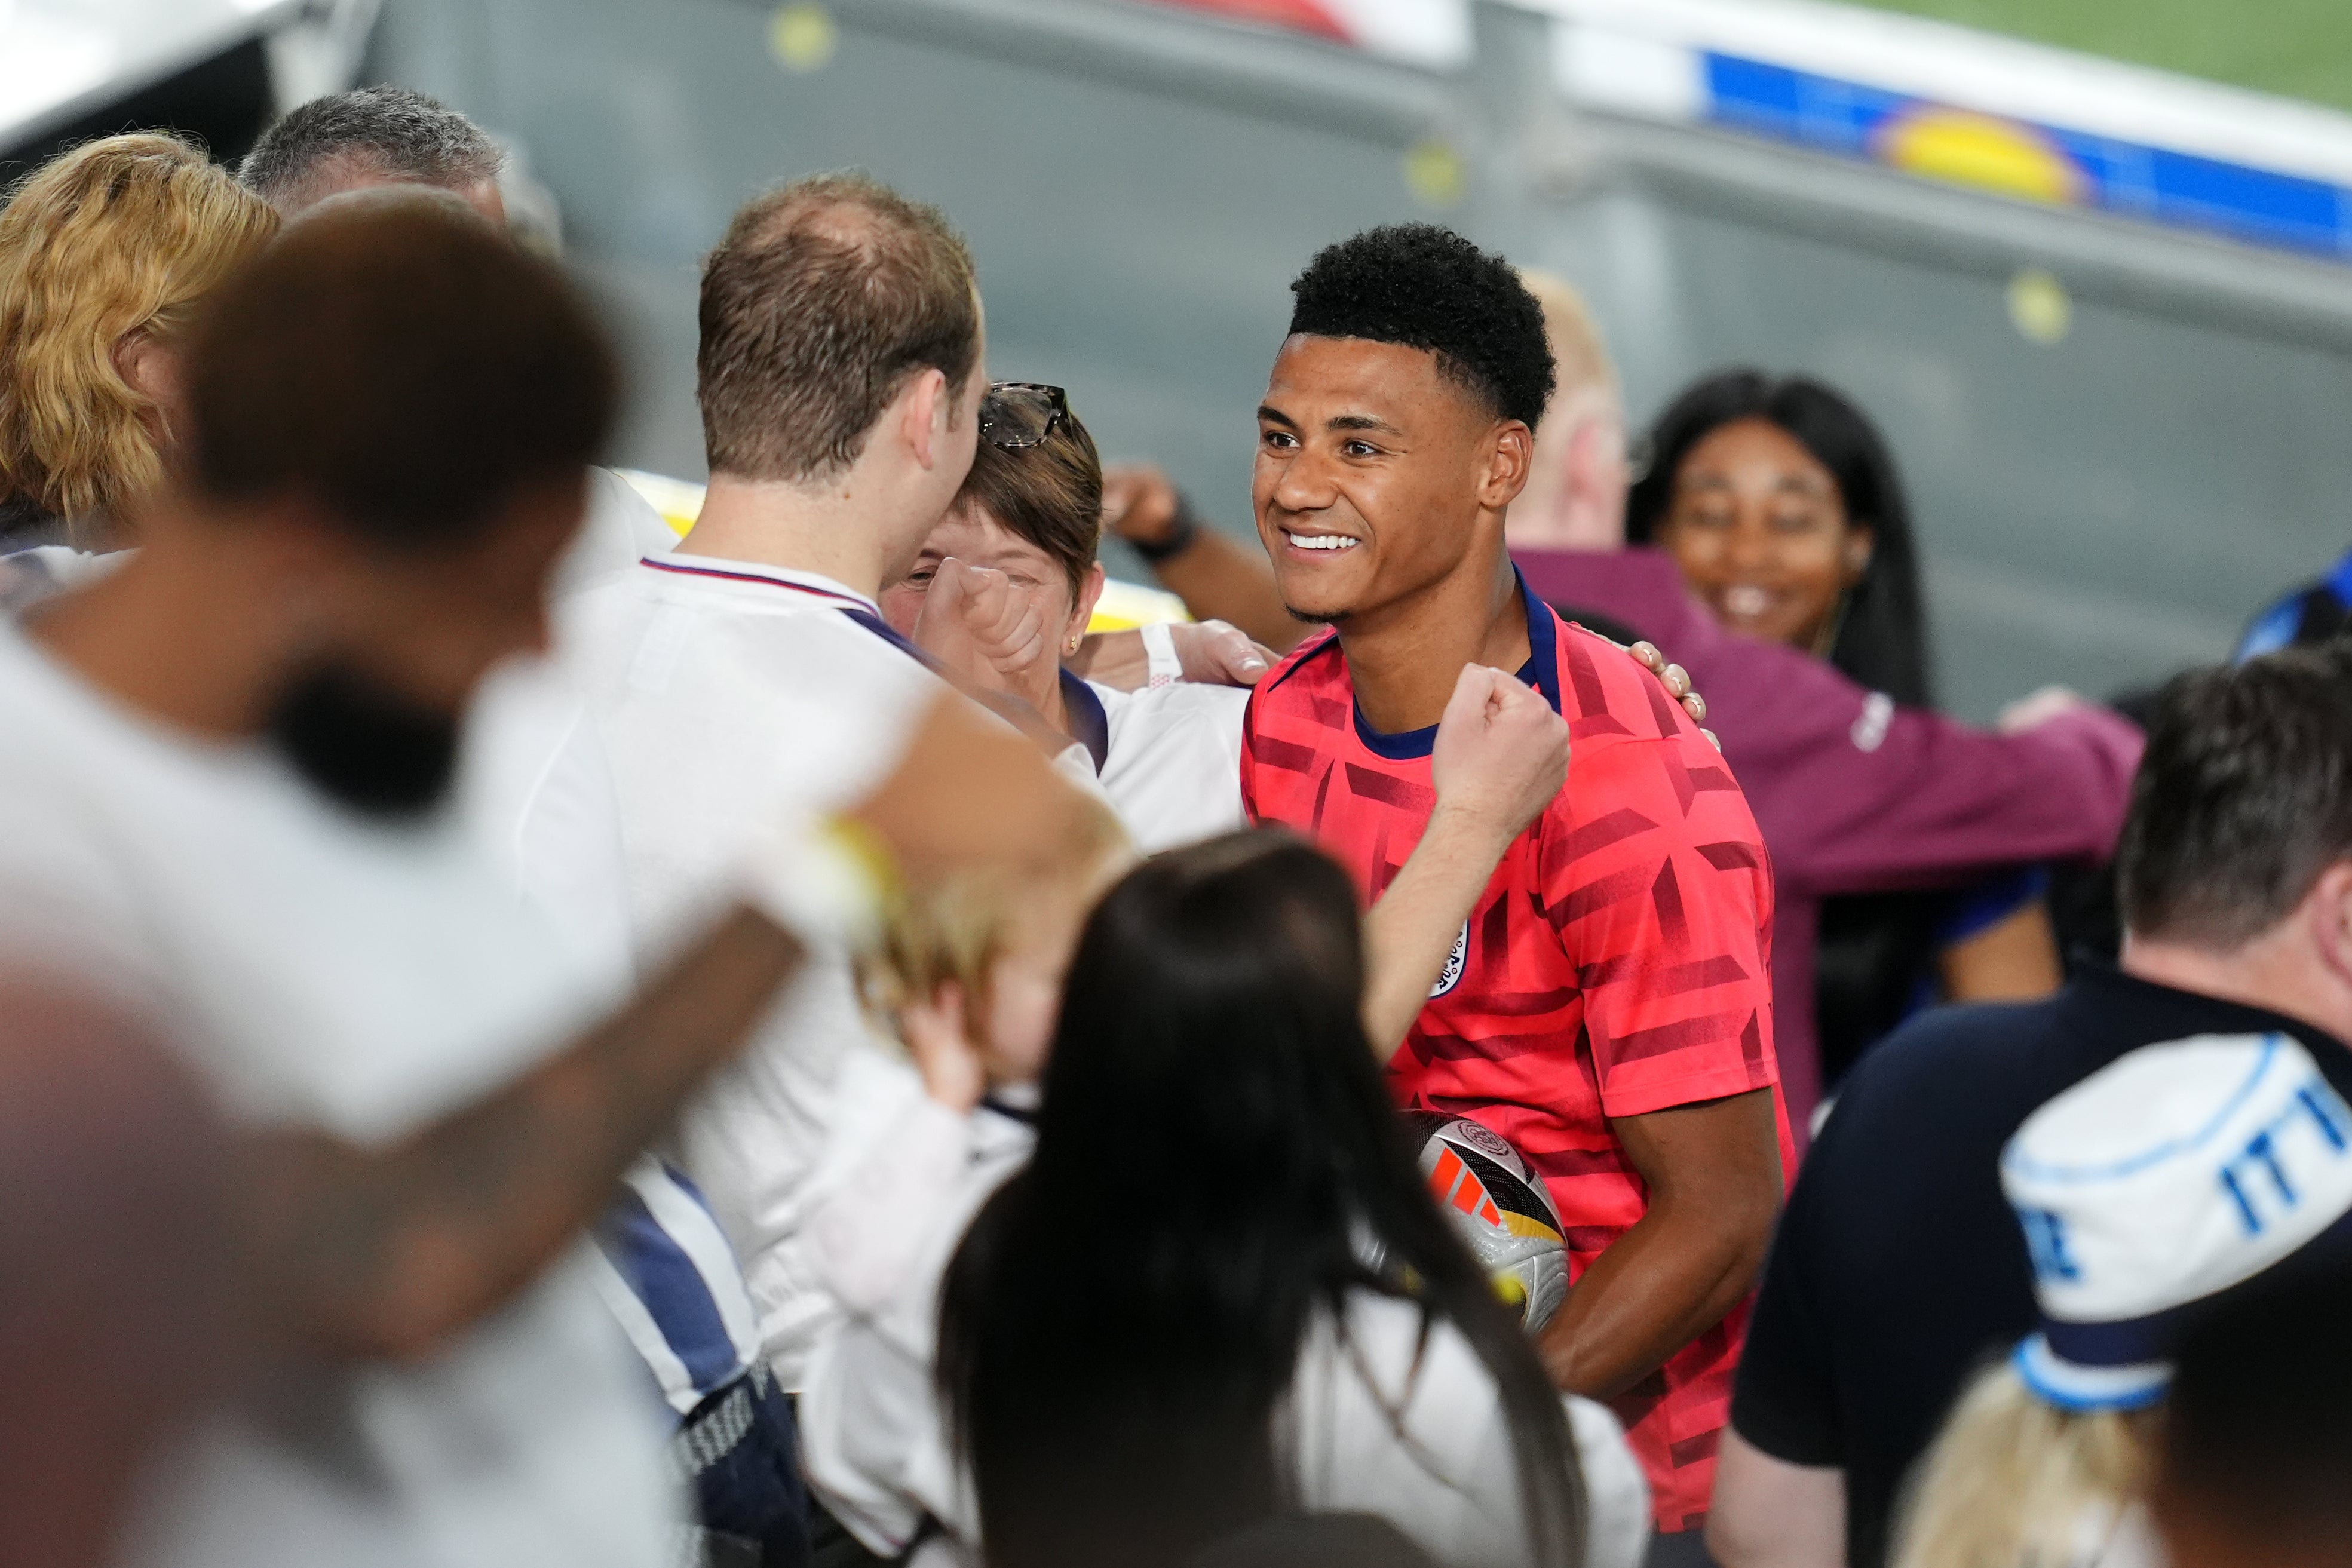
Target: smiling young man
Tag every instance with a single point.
(1610, 1011)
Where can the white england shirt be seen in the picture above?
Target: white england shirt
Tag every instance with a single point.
(1172, 768)
(728, 697)
(328, 972)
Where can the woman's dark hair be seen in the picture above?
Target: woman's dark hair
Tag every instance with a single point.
(1217, 1153)
(1049, 494)
(1881, 640)
(1874, 947)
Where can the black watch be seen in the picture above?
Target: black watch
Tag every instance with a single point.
(1180, 535)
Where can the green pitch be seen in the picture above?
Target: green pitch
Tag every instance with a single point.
(2301, 48)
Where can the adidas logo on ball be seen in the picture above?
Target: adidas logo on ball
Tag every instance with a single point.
(1497, 1206)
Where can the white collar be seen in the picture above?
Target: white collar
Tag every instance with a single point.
(716, 569)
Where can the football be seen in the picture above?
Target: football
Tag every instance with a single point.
(1499, 1206)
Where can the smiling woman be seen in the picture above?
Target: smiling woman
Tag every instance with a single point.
(1780, 502)
(1781, 505)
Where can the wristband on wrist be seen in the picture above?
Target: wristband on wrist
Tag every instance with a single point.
(1166, 667)
(833, 882)
(1181, 532)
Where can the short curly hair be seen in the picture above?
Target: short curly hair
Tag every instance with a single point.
(1422, 287)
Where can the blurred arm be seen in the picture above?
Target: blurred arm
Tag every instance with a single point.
(1770, 1513)
(390, 1251)
(1713, 1171)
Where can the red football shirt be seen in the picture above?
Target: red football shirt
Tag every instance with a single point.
(1618, 964)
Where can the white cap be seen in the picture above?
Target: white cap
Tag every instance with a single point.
(2172, 1174)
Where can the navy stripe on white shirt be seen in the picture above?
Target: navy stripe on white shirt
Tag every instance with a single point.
(675, 1285)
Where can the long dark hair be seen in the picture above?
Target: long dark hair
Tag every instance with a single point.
(1881, 640)
(1874, 947)
(1215, 1151)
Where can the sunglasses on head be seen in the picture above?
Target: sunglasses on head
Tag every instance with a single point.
(1018, 414)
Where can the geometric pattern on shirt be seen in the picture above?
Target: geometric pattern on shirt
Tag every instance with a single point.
(1618, 963)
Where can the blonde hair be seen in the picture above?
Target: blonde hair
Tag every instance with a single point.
(121, 235)
(957, 929)
(2013, 1481)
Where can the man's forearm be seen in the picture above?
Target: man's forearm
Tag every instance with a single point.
(389, 1251)
(1410, 934)
(1657, 1288)
(1770, 1513)
(1713, 1175)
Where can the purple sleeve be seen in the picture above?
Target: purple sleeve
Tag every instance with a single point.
(1854, 793)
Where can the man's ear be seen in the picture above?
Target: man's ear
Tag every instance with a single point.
(1510, 453)
(923, 416)
(2329, 909)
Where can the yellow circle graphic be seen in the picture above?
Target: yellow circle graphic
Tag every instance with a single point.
(1982, 152)
(803, 37)
(2039, 307)
(1434, 171)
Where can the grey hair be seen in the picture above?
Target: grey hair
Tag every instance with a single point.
(385, 130)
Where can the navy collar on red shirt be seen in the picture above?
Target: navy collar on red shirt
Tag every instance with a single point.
(1541, 671)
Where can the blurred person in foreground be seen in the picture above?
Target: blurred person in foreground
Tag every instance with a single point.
(2160, 1189)
(1898, 1262)
(227, 779)
(150, 211)
(1856, 790)
(1608, 1013)
(105, 252)
(2255, 1465)
(115, 1318)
